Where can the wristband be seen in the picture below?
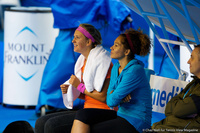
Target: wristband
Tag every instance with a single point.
(81, 87)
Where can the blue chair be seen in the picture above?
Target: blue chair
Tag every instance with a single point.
(149, 72)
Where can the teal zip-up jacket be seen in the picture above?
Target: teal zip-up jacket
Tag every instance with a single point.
(132, 80)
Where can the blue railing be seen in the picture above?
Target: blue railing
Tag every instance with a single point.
(159, 6)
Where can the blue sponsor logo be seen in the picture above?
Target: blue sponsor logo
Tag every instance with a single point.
(28, 29)
(161, 98)
(26, 53)
(26, 78)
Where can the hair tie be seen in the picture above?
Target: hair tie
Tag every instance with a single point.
(86, 33)
(130, 43)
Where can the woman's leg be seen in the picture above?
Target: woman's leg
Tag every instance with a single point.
(118, 125)
(56, 121)
(80, 127)
(92, 116)
(89, 116)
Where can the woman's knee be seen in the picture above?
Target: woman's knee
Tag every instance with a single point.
(39, 125)
(41, 121)
(82, 115)
(49, 127)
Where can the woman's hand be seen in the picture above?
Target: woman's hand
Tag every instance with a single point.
(127, 98)
(74, 81)
(64, 88)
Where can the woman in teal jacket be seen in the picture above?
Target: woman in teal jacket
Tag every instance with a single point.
(129, 90)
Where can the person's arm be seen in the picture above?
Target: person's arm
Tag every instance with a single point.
(128, 83)
(171, 104)
(82, 96)
(183, 108)
(100, 96)
(186, 107)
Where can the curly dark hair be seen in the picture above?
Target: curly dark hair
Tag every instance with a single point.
(141, 42)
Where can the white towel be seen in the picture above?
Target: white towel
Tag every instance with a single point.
(71, 95)
(96, 68)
